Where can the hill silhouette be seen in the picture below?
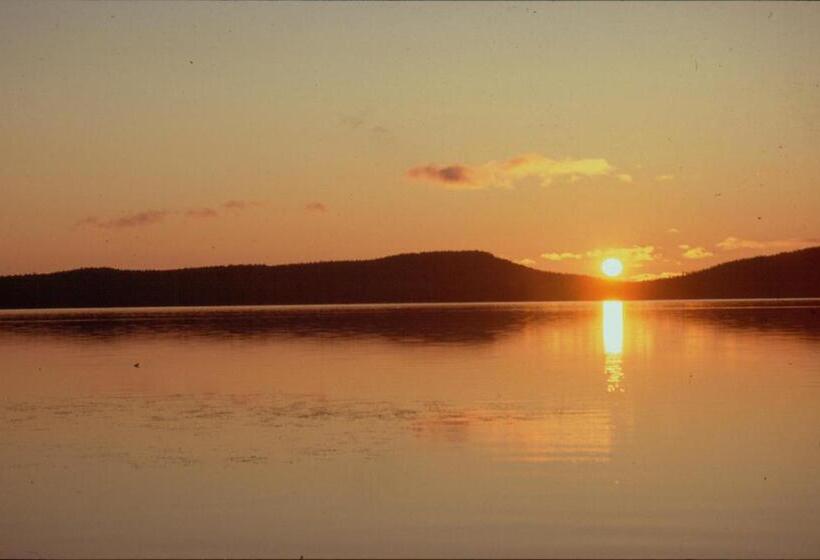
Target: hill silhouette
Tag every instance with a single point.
(444, 276)
(793, 274)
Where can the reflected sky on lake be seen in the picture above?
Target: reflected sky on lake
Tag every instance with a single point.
(650, 429)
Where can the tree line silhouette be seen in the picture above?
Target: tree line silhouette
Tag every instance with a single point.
(443, 276)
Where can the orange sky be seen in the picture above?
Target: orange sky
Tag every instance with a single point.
(161, 135)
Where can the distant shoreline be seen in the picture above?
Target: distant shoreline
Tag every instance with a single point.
(393, 305)
(437, 278)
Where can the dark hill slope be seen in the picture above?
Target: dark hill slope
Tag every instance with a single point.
(794, 274)
(422, 277)
(457, 276)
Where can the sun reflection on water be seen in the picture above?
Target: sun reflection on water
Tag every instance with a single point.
(613, 329)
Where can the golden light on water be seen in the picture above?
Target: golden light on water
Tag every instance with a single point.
(613, 329)
(612, 267)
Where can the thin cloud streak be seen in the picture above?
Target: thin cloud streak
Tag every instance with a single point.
(138, 219)
(315, 207)
(240, 204)
(361, 121)
(505, 174)
(695, 253)
(201, 213)
(735, 243)
(646, 276)
(561, 256)
(152, 217)
(635, 256)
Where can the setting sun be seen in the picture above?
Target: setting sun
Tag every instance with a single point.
(612, 267)
(485, 276)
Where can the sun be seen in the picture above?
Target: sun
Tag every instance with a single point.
(612, 267)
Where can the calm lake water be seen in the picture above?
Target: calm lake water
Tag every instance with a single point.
(564, 429)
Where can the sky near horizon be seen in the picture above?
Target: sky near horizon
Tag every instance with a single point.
(674, 136)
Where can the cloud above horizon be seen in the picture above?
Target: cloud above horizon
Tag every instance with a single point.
(201, 213)
(240, 204)
(144, 218)
(152, 217)
(505, 174)
(693, 253)
(561, 256)
(732, 243)
(635, 255)
(654, 276)
(362, 121)
(315, 207)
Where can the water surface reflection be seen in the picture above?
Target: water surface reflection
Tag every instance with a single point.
(613, 328)
(439, 430)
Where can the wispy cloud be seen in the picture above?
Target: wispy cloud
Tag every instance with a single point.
(690, 252)
(653, 276)
(561, 256)
(673, 230)
(635, 255)
(362, 121)
(201, 213)
(240, 204)
(353, 122)
(137, 219)
(456, 176)
(662, 178)
(735, 243)
(315, 207)
(526, 262)
(151, 217)
(505, 174)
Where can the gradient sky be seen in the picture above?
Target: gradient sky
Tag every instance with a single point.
(162, 135)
